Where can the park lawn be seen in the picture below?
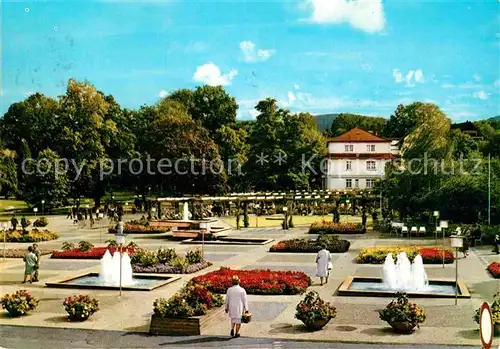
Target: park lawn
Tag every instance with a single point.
(12, 204)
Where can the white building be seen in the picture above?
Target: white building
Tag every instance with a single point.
(357, 158)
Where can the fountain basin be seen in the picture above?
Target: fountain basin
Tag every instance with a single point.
(375, 287)
(142, 282)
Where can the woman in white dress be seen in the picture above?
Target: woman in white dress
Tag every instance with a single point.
(323, 264)
(236, 305)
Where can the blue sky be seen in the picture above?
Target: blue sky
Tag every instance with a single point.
(325, 56)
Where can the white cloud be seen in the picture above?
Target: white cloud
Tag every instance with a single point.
(480, 95)
(211, 74)
(366, 15)
(291, 97)
(29, 93)
(469, 85)
(476, 77)
(296, 86)
(411, 77)
(252, 54)
(162, 94)
(398, 76)
(253, 113)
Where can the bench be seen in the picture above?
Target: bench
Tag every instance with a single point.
(274, 219)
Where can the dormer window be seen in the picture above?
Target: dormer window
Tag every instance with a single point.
(349, 148)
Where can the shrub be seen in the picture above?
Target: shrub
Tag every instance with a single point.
(162, 268)
(194, 256)
(325, 227)
(19, 303)
(112, 243)
(256, 281)
(179, 263)
(139, 229)
(95, 253)
(495, 310)
(80, 307)
(494, 269)
(333, 244)
(41, 222)
(430, 255)
(34, 235)
(85, 246)
(312, 308)
(166, 255)
(401, 310)
(132, 245)
(67, 246)
(25, 222)
(144, 258)
(192, 300)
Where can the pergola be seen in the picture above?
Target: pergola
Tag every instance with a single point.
(288, 199)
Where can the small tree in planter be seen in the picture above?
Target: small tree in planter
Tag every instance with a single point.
(19, 303)
(402, 315)
(314, 312)
(67, 246)
(41, 222)
(85, 246)
(25, 223)
(80, 307)
(495, 313)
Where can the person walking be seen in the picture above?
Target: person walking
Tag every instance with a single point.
(29, 264)
(37, 253)
(496, 244)
(323, 264)
(236, 305)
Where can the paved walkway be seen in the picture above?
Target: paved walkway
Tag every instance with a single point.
(26, 338)
(273, 316)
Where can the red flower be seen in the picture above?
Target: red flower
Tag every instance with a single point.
(95, 253)
(494, 269)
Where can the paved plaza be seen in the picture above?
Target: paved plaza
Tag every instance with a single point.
(357, 320)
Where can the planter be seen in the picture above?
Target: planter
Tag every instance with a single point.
(317, 325)
(13, 312)
(402, 327)
(190, 326)
(78, 317)
(496, 330)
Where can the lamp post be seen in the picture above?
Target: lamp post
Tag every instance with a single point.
(5, 227)
(443, 225)
(457, 241)
(120, 238)
(101, 216)
(205, 229)
(347, 207)
(35, 209)
(436, 214)
(43, 202)
(257, 215)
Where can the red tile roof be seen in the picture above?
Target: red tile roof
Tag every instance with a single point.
(358, 135)
(362, 156)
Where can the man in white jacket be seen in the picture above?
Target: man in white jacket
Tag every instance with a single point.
(236, 305)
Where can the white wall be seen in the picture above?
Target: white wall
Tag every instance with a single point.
(339, 147)
(337, 173)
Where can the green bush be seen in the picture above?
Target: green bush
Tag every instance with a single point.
(41, 222)
(194, 256)
(33, 236)
(67, 246)
(166, 255)
(179, 263)
(85, 246)
(112, 243)
(144, 257)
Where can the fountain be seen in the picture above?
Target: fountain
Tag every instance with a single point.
(109, 276)
(186, 215)
(403, 276)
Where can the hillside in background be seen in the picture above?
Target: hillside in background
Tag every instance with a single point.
(496, 118)
(324, 121)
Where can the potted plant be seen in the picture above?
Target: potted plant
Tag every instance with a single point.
(80, 307)
(19, 303)
(495, 313)
(402, 315)
(314, 312)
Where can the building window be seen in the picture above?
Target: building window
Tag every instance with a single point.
(349, 147)
(370, 165)
(348, 183)
(370, 147)
(370, 183)
(356, 183)
(348, 165)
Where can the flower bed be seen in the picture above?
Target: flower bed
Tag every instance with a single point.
(325, 227)
(20, 253)
(264, 282)
(162, 268)
(34, 235)
(430, 255)
(494, 269)
(139, 229)
(333, 244)
(94, 253)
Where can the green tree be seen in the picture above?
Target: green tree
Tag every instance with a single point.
(403, 121)
(213, 107)
(462, 144)
(345, 122)
(46, 181)
(8, 173)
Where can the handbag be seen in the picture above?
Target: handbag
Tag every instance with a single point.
(246, 317)
(330, 265)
